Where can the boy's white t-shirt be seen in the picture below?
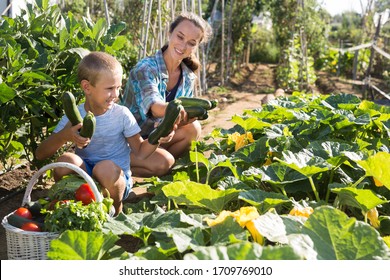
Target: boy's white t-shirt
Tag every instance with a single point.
(109, 139)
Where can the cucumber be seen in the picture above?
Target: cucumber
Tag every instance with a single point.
(17, 221)
(194, 101)
(89, 124)
(165, 127)
(70, 108)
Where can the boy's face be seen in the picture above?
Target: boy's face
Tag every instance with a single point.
(104, 93)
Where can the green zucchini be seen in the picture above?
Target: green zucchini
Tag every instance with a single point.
(18, 221)
(165, 127)
(35, 208)
(195, 101)
(214, 103)
(194, 111)
(89, 124)
(70, 108)
(204, 116)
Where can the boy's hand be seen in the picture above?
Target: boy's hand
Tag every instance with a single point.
(79, 141)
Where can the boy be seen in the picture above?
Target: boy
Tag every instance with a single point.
(105, 157)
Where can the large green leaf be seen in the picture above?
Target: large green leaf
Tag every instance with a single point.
(263, 200)
(124, 224)
(186, 238)
(197, 158)
(332, 151)
(340, 101)
(200, 195)
(276, 228)
(81, 245)
(223, 233)
(305, 163)
(359, 198)
(249, 123)
(279, 173)
(7, 93)
(335, 236)
(243, 251)
(378, 166)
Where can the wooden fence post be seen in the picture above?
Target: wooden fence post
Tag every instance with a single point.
(355, 64)
(222, 42)
(106, 13)
(368, 72)
(339, 62)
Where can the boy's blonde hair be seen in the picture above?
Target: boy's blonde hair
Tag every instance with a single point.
(96, 63)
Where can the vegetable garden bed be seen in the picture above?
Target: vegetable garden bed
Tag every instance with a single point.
(304, 177)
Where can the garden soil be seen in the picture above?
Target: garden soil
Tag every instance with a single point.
(249, 89)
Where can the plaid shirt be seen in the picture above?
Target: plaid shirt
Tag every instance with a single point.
(147, 84)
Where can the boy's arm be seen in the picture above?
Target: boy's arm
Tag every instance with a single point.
(50, 146)
(142, 148)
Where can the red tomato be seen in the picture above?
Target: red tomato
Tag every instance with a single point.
(23, 212)
(85, 194)
(30, 226)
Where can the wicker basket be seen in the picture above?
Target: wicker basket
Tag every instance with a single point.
(30, 245)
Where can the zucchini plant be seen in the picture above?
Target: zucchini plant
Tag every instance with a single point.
(311, 180)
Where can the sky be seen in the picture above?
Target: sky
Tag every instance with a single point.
(339, 6)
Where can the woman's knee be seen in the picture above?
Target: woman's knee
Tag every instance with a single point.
(165, 164)
(194, 130)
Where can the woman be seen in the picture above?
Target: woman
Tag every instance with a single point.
(158, 79)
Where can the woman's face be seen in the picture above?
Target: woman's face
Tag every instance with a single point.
(184, 40)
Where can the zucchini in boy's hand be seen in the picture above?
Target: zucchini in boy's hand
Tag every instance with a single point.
(70, 108)
(89, 124)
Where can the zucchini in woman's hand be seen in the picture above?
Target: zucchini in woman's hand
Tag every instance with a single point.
(166, 126)
(201, 102)
(194, 111)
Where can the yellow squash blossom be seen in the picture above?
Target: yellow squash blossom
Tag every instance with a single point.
(232, 138)
(244, 217)
(373, 215)
(268, 159)
(245, 214)
(221, 217)
(240, 140)
(299, 210)
(377, 182)
(257, 237)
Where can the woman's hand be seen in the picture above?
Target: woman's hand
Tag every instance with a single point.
(167, 138)
(183, 118)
